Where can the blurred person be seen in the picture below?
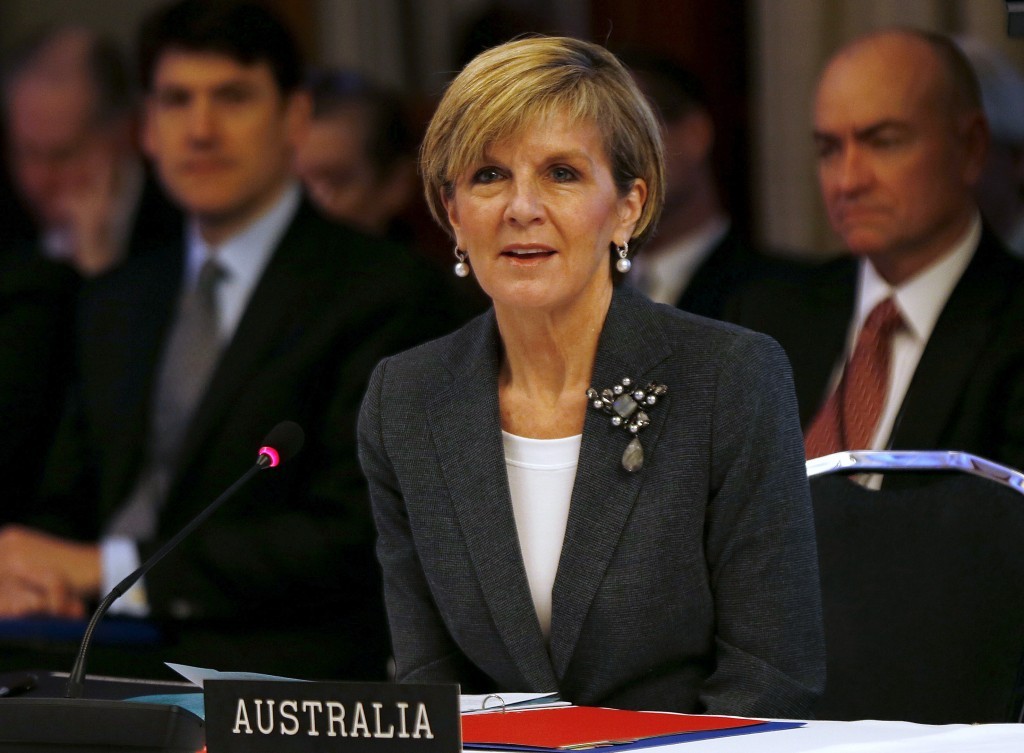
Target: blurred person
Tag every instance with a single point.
(1000, 190)
(547, 524)
(70, 116)
(913, 339)
(699, 256)
(259, 310)
(70, 160)
(358, 157)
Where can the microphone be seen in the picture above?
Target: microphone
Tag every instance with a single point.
(282, 443)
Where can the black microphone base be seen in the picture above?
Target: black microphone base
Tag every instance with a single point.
(87, 725)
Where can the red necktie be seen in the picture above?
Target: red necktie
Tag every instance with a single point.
(849, 418)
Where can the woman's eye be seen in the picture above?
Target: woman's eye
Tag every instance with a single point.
(486, 175)
(562, 174)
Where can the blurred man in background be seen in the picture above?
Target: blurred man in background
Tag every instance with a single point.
(1000, 191)
(358, 157)
(258, 309)
(699, 256)
(914, 339)
(71, 124)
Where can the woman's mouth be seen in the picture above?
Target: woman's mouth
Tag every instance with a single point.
(527, 254)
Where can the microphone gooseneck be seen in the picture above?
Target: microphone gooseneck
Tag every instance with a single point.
(282, 443)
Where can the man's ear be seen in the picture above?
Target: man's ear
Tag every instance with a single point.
(976, 138)
(298, 114)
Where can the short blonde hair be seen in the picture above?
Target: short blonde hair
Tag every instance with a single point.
(508, 87)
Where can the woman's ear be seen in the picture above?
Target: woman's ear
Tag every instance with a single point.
(631, 207)
(453, 215)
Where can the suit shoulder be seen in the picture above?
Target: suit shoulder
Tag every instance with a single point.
(702, 343)
(443, 360)
(688, 326)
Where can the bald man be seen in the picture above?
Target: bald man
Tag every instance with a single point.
(926, 299)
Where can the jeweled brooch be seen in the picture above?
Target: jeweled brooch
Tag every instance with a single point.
(628, 406)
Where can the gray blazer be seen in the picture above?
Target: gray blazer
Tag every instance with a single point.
(690, 585)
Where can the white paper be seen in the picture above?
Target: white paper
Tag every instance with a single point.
(199, 675)
(478, 704)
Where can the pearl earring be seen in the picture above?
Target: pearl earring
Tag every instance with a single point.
(461, 266)
(623, 264)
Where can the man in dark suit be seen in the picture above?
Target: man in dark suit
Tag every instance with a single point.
(292, 311)
(700, 256)
(901, 141)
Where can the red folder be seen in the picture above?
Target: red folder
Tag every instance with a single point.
(581, 727)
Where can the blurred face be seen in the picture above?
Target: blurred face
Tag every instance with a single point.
(340, 177)
(895, 164)
(222, 136)
(55, 147)
(537, 214)
(688, 143)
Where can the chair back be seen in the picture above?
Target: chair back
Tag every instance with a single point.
(922, 587)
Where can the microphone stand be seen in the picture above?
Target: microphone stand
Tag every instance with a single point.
(77, 677)
(88, 725)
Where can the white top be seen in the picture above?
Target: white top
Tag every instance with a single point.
(920, 300)
(541, 473)
(663, 275)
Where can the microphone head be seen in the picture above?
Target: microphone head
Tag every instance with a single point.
(282, 443)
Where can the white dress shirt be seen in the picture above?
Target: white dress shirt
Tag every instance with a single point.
(664, 275)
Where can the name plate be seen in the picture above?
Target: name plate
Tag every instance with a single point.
(272, 716)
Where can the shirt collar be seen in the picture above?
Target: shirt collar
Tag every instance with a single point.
(245, 255)
(668, 271)
(922, 297)
(676, 256)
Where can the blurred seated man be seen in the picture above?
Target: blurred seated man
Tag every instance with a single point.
(358, 157)
(699, 256)
(914, 339)
(1000, 191)
(71, 146)
(258, 309)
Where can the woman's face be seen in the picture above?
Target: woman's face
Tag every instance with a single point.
(537, 214)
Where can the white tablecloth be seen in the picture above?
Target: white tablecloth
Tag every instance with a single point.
(865, 736)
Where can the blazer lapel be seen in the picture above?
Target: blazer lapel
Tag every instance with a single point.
(821, 342)
(126, 315)
(963, 328)
(604, 492)
(466, 424)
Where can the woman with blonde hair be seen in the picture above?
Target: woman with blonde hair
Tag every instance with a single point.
(582, 491)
